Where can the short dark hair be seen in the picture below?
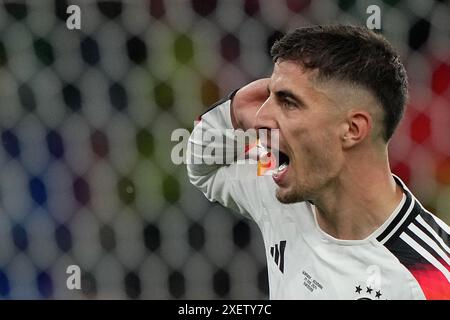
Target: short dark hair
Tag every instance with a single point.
(352, 54)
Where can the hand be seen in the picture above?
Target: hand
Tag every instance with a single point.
(246, 103)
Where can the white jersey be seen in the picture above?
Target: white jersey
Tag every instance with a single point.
(406, 258)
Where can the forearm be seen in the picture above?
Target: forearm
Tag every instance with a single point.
(217, 174)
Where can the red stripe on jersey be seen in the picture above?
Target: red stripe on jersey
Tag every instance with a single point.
(433, 283)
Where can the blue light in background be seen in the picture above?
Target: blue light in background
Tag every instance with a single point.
(4, 284)
(10, 143)
(38, 191)
(45, 284)
(20, 237)
(55, 144)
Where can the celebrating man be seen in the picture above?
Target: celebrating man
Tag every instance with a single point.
(336, 223)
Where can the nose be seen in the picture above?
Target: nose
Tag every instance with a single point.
(267, 124)
(266, 115)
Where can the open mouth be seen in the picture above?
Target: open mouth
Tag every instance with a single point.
(282, 168)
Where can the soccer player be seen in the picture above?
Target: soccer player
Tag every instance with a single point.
(336, 223)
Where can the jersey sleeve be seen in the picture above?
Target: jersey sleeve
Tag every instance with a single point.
(232, 184)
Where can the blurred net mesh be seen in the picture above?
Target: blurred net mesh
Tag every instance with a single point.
(86, 118)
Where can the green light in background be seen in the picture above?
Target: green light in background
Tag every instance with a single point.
(171, 189)
(145, 142)
(346, 4)
(163, 94)
(44, 51)
(3, 56)
(183, 49)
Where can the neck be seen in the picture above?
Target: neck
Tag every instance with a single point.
(359, 200)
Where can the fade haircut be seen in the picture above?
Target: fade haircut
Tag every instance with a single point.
(351, 54)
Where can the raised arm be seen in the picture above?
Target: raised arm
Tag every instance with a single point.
(229, 183)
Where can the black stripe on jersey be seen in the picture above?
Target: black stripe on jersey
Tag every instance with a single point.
(404, 253)
(277, 254)
(428, 276)
(218, 103)
(421, 242)
(282, 247)
(428, 233)
(398, 218)
(412, 215)
(433, 224)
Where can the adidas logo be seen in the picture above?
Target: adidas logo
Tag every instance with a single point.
(277, 252)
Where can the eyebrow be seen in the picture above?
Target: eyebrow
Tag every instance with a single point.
(286, 93)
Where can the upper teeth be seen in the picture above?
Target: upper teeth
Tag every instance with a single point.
(282, 167)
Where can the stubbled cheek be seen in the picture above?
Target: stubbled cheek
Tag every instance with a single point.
(318, 156)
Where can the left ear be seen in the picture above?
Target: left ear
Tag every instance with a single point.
(358, 127)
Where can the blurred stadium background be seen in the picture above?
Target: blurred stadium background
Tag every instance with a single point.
(86, 118)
